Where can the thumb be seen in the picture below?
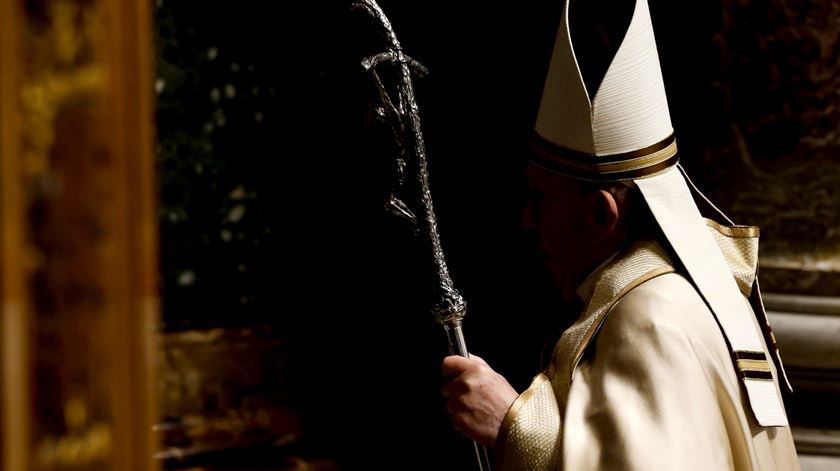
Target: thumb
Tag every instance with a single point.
(478, 359)
(454, 365)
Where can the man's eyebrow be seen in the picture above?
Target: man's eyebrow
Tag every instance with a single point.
(535, 192)
(529, 180)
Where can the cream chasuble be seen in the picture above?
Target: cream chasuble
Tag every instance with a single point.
(645, 380)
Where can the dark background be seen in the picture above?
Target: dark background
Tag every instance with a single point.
(272, 197)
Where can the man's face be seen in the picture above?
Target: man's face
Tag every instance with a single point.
(560, 215)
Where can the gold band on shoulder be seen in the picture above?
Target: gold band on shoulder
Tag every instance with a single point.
(740, 232)
(614, 167)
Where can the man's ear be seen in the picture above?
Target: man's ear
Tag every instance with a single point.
(606, 212)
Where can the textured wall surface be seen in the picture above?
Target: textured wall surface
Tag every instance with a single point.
(771, 157)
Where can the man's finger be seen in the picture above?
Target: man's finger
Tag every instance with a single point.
(454, 365)
(448, 389)
(457, 405)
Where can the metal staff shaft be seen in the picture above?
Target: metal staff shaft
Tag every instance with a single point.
(402, 114)
(458, 346)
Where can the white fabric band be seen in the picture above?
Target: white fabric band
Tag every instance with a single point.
(673, 207)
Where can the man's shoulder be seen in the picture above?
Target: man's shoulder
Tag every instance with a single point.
(667, 306)
(659, 296)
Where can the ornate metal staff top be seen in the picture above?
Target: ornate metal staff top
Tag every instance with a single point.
(402, 115)
(403, 118)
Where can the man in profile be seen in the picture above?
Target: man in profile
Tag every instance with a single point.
(671, 364)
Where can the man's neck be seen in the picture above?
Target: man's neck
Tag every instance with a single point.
(585, 288)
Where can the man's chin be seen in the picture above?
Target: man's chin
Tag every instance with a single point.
(563, 284)
(566, 293)
(554, 271)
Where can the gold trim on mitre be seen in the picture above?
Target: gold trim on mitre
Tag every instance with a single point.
(624, 166)
(753, 365)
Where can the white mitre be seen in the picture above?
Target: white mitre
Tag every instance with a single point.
(625, 134)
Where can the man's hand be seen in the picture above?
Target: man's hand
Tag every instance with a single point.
(479, 397)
